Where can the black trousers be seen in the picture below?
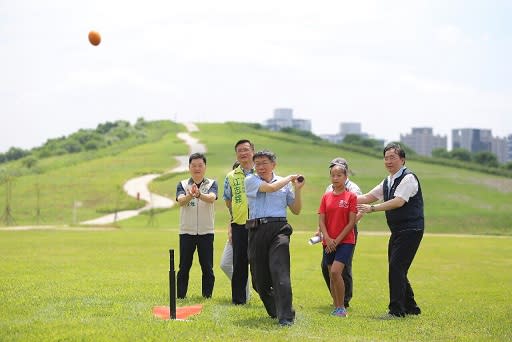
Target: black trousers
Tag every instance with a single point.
(269, 257)
(240, 242)
(346, 275)
(188, 245)
(402, 248)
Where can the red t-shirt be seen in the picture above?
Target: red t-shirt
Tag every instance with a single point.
(337, 209)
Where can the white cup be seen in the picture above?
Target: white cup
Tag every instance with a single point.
(315, 239)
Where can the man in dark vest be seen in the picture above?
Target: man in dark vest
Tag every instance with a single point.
(402, 201)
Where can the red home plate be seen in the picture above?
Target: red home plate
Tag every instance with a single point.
(182, 313)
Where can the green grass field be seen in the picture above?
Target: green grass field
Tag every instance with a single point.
(89, 283)
(101, 285)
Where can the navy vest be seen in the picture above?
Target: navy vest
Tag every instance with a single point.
(410, 215)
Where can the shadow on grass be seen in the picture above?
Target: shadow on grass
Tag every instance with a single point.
(194, 299)
(260, 322)
(323, 308)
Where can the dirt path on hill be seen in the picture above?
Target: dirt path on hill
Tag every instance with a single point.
(139, 186)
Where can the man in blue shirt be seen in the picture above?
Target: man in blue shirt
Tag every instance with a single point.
(269, 234)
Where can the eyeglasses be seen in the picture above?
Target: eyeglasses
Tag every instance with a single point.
(392, 157)
(243, 150)
(262, 164)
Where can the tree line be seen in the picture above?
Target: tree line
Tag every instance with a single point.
(104, 135)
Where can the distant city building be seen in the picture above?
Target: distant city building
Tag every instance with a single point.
(472, 139)
(423, 141)
(332, 138)
(283, 118)
(500, 148)
(350, 128)
(347, 128)
(509, 148)
(283, 113)
(302, 124)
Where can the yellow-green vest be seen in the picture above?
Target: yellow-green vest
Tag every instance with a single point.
(239, 204)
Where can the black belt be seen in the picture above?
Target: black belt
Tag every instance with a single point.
(262, 220)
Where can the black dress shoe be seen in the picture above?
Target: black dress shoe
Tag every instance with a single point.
(393, 315)
(413, 311)
(285, 323)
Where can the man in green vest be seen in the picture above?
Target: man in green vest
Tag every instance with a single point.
(236, 202)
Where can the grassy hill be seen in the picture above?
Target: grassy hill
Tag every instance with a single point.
(456, 200)
(101, 284)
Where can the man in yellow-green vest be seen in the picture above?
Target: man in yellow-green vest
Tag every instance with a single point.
(236, 202)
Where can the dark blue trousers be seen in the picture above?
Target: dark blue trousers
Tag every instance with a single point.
(188, 245)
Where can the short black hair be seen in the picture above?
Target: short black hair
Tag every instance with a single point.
(243, 141)
(265, 153)
(196, 155)
(396, 146)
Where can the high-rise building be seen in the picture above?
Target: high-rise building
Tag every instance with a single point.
(302, 124)
(283, 118)
(423, 141)
(500, 149)
(347, 128)
(283, 113)
(472, 139)
(509, 148)
(350, 128)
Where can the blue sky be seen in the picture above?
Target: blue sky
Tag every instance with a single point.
(391, 65)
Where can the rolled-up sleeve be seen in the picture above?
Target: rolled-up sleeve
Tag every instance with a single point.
(407, 188)
(378, 191)
(252, 184)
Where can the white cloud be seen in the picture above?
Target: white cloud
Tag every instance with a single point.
(450, 34)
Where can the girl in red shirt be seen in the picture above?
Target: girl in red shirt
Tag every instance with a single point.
(337, 216)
